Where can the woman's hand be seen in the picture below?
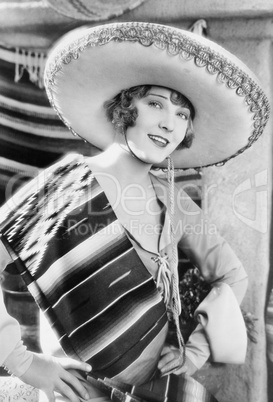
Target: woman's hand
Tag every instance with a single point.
(171, 362)
(51, 374)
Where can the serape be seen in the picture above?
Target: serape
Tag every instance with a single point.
(171, 388)
(168, 389)
(85, 275)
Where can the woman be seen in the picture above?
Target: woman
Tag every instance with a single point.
(99, 247)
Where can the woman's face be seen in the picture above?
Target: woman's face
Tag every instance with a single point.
(160, 126)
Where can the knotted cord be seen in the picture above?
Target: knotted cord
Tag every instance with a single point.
(164, 277)
(175, 297)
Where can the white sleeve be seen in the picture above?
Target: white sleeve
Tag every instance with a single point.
(13, 354)
(220, 267)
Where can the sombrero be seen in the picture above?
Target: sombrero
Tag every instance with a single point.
(91, 65)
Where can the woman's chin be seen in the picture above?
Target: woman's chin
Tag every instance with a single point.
(153, 161)
(149, 159)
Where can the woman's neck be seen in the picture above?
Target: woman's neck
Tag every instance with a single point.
(127, 185)
(118, 161)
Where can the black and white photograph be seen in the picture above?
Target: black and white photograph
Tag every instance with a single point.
(136, 201)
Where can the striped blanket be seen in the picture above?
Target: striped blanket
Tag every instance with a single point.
(86, 277)
(171, 388)
(82, 270)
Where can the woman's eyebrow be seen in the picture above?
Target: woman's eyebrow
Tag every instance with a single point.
(160, 96)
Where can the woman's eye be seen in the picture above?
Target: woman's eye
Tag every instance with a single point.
(154, 104)
(183, 116)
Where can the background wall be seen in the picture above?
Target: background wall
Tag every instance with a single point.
(237, 196)
(243, 190)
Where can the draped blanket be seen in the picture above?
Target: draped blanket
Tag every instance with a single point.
(81, 268)
(86, 277)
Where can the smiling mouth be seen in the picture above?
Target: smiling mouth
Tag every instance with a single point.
(159, 141)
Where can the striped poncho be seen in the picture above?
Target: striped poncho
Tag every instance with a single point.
(82, 270)
(87, 278)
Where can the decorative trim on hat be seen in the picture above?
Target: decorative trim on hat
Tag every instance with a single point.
(175, 44)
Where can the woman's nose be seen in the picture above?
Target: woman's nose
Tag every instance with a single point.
(167, 124)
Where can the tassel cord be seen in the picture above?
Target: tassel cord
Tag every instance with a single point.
(175, 300)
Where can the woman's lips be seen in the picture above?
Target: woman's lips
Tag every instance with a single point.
(158, 140)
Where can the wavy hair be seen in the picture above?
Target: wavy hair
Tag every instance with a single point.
(121, 111)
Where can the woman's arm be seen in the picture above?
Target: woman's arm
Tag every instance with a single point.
(208, 251)
(219, 265)
(13, 354)
(44, 372)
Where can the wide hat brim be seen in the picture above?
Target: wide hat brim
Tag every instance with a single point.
(91, 65)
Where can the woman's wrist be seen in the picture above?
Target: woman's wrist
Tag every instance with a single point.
(190, 367)
(19, 360)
